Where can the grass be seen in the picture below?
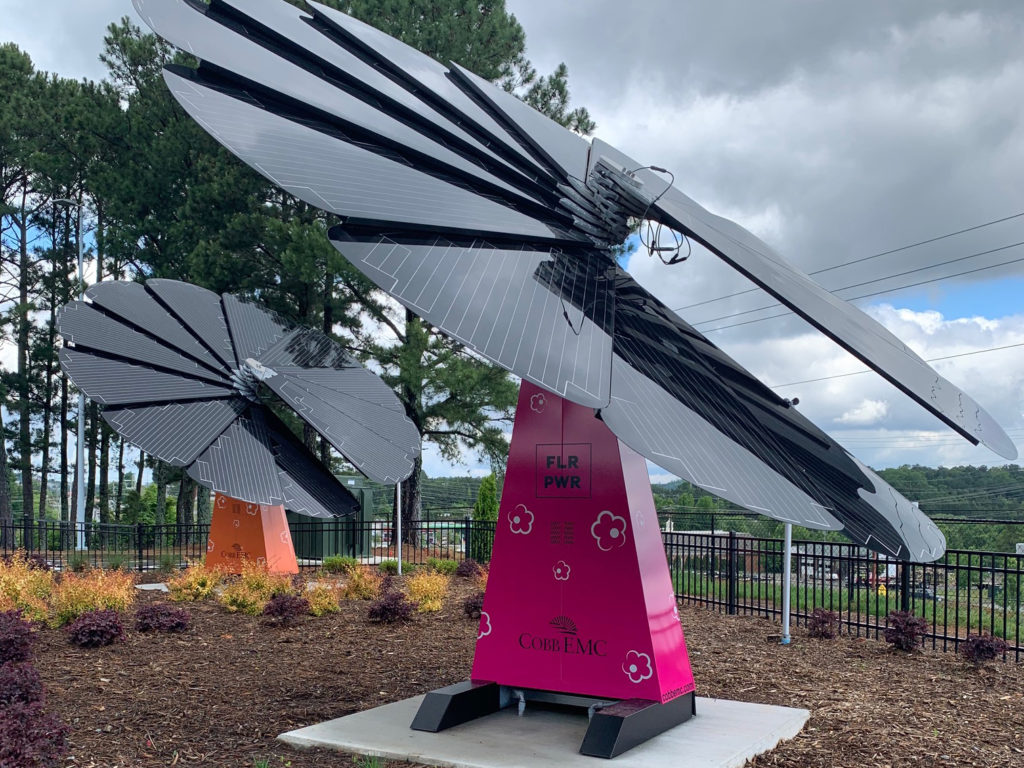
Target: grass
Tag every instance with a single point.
(860, 605)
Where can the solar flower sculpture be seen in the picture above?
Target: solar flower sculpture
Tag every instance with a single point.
(189, 377)
(497, 226)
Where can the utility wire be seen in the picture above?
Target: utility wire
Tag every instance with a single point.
(873, 293)
(866, 258)
(868, 370)
(881, 280)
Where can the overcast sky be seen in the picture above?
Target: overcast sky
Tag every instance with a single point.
(835, 131)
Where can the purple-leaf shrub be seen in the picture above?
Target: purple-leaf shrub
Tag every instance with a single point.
(19, 684)
(983, 648)
(31, 738)
(905, 631)
(16, 637)
(286, 610)
(96, 629)
(473, 605)
(160, 617)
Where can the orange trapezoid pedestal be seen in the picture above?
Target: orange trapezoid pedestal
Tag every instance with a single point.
(241, 532)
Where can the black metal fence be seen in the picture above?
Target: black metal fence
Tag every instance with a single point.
(711, 564)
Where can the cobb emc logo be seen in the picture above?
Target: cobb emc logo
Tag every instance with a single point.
(564, 624)
(564, 640)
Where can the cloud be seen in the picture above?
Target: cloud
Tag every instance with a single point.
(867, 413)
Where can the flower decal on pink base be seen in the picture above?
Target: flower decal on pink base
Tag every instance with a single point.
(285, 537)
(637, 667)
(537, 402)
(485, 625)
(609, 531)
(520, 519)
(562, 570)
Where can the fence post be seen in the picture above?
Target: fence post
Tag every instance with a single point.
(467, 537)
(732, 572)
(905, 587)
(138, 544)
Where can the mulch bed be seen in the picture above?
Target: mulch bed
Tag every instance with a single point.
(219, 694)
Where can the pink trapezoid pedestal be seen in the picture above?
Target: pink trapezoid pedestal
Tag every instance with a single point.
(579, 599)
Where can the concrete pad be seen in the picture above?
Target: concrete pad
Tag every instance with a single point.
(159, 587)
(723, 734)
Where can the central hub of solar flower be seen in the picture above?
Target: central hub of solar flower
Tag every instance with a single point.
(248, 376)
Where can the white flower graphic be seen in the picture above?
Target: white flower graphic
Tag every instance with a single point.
(237, 523)
(261, 561)
(675, 607)
(221, 501)
(209, 545)
(520, 519)
(485, 625)
(637, 666)
(562, 570)
(285, 538)
(537, 402)
(252, 509)
(609, 531)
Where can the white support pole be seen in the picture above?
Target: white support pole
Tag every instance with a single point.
(787, 580)
(398, 523)
(80, 463)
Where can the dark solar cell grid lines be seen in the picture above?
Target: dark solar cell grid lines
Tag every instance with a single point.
(188, 375)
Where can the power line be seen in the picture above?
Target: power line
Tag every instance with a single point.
(880, 280)
(867, 258)
(873, 293)
(929, 360)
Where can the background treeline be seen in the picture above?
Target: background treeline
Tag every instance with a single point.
(156, 197)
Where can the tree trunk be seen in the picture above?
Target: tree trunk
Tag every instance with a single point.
(104, 471)
(6, 514)
(24, 401)
(203, 505)
(142, 466)
(160, 475)
(90, 486)
(120, 480)
(411, 505)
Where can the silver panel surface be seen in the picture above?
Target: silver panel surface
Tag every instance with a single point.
(342, 178)
(253, 329)
(564, 149)
(131, 302)
(429, 75)
(491, 300)
(200, 311)
(176, 432)
(88, 328)
(189, 29)
(115, 382)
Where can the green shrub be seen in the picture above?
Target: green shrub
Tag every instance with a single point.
(168, 563)
(390, 567)
(447, 567)
(77, 562)
(340, 564)
(118, 561)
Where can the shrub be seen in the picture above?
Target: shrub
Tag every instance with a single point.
(19, 684)
(168, 563)
(35, 561)
(93, 590)
(469, 568)
(390, 567)
(77, 562)
(323, 598)
(447, 567)
(473, 605)
(194, 583)
(427, 589)
(905, 631)
(160, 617)
(16, 638)
(362, 584)
(31, 737)
(823, 624)
(26, 585)
(96, 629)
(392, 606)
(983, 648)
(286, 610)
(118, 561)
(254, 588)
(339, 564)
